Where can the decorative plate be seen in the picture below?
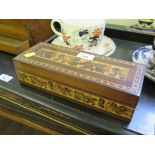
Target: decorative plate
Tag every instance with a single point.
(136, 28)
(146, 55)
(106, 47)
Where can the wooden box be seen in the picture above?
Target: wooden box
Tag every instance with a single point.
(105, 84)
(17, 35)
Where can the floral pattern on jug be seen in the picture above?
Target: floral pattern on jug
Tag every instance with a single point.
(66, 39)
(86, 38)
(95, 36)
(80, 34)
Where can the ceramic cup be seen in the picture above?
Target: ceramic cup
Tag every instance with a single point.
(79, 34)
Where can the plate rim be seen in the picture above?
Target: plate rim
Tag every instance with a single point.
(109, 53)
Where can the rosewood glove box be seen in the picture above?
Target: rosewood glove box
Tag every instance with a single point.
(104, 84)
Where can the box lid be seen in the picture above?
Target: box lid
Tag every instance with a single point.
(116, 79)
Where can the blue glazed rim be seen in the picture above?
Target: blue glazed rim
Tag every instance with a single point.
(149, 73)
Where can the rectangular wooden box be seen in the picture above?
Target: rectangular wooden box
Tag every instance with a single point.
(105, 84)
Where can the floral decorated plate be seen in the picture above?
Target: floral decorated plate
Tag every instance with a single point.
(106, 47)
(145, 55)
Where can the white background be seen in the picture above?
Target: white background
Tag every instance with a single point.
(77, 9)
(77, 145)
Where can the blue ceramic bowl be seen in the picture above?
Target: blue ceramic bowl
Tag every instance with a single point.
(146, 55)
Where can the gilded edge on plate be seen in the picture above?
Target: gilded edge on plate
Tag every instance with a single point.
(92, 100)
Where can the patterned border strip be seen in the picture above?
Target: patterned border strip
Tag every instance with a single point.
(16, 100)
(19, 119)
(29, 103)
(86, 98)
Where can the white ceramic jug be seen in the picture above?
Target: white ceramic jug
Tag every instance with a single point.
(79, 34)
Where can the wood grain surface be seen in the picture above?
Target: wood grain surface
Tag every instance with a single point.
(105, 84)
(20, 31)
(23, 126)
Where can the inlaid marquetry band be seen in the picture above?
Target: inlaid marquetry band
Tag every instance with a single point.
(21, 102)
(88, 99)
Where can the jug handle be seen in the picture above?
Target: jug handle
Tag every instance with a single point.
(53, 27)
